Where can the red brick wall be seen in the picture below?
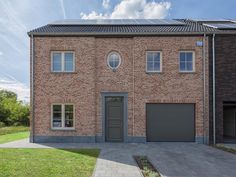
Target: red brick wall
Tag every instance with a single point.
(93, 76)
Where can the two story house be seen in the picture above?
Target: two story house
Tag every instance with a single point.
(122, 81)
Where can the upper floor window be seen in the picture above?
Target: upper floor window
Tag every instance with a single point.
(186, 61)
(63, 62)
(154, 63)
(113, 60)
(62, 116)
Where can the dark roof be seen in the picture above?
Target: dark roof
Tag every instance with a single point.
(184, 26)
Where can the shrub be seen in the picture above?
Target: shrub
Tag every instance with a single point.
(2, 124)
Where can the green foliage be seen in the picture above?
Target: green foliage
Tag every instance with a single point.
(12, 112)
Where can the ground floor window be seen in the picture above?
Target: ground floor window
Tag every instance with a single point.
(62, 116)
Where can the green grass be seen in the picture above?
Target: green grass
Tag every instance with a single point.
(13, 129)
(47, 162)
(13, 137)
(8, 134)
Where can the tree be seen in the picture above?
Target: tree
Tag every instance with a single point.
(13, 112)
(7, 94)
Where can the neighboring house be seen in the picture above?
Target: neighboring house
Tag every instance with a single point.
(224, 45)
(122, 81)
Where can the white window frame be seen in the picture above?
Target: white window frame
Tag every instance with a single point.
(62, 61)
(63, 117)
(152, 51)
(187, 51)
(113, 52)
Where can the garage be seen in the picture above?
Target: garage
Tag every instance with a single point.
(170, 122)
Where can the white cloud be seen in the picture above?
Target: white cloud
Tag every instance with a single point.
(106, 4)
(134, 9)
(1, 53)
(63, 9)
(8, 82)
(93, 15)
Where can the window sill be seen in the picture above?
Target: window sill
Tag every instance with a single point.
(187, 72)
(153, 72)
(63, 129)
(62, 72)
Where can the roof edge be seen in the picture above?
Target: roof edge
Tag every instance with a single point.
(127, 34)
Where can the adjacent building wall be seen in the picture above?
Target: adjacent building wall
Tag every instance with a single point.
(225, 66)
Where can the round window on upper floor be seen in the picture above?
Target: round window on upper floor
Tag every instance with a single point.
(113, 60)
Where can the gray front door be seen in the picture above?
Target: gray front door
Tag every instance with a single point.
(170, 122)
(114, 119)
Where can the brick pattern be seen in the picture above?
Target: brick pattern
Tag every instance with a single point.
(92, 76)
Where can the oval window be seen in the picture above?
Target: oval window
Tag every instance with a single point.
(113, 60)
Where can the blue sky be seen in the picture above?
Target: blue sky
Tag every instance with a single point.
(19, 16)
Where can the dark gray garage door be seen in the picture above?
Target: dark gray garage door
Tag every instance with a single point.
(170, 122)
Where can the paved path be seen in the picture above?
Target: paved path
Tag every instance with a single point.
(171, 159)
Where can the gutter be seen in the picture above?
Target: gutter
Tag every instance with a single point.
(124, 33)
(213, 90)
(32, 89)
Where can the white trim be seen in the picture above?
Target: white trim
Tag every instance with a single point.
(113, 52)
(152, 51)
(63, 117)
(188, 51)
(62, 61)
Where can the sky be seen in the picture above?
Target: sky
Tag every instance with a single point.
(17, 17)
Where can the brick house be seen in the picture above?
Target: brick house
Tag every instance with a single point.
(121, 81)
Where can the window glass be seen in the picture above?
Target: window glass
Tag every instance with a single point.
(69, 115)
(57, 116)
(113, 60)
(153, 61)
(186, 61)
(63, 116)
(68, 62)
(57, 62)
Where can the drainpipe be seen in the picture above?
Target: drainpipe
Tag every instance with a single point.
(32, 87)
(213, 89)
(133, 90)
(204, 87)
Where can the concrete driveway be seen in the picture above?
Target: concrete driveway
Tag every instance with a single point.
(171, 159)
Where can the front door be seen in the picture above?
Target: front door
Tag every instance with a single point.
(114, 118)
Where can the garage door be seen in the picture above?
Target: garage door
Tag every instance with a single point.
(170, 122)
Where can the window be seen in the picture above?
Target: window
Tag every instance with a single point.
(113, 60)
(62, 116)
(186, 61)
(63, 62)
(153, 59)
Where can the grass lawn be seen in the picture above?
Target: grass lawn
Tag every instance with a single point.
(47, 162)
(13, 129)
(13, 137)
(8, 134)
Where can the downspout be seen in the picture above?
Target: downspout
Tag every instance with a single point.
(213, 89)
(204, 87)
(133, 91)
(32, 88)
